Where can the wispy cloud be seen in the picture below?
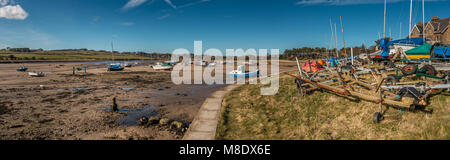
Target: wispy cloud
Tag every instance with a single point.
(133, 4)
(164, 16)
(349, 2)
(96, 18)
(127, 23)
(26, 37)
(10, 10)
(169, 2)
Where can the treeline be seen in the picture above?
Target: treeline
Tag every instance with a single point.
(320, 53)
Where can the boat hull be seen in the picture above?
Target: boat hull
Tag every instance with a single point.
(248, 74)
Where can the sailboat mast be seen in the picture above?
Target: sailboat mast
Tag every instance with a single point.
(410, 18)
(335, 37)
(332, 35)
(423, 19)
(384, 26)
(343, 38)
(112, 51)
(400, 36)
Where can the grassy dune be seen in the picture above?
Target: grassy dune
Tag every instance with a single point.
(323, 116)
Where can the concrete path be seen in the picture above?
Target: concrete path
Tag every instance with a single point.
(205, 123)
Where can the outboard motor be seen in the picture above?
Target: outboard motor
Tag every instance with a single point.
(384, 44)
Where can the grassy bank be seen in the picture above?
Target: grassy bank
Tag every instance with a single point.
(67, 56)
(248, 115)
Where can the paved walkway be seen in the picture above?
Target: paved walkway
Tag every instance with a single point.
(205, 123)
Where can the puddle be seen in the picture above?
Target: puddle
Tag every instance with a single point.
(133, 115)
(60, 90)
(79, 89)
(127, 89)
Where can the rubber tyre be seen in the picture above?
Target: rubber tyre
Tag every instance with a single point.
(409, 69)
(391, 79)
(429, 69)
(377, 117)
(299, 83)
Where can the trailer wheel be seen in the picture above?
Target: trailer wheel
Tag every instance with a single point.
(429, 69)
(377, 117)
(409, 69)
(299, 83)
(391, 79)
(389, 64)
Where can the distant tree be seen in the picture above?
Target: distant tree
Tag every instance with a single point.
(11, 57)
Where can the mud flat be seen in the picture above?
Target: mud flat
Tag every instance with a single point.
(65, 106)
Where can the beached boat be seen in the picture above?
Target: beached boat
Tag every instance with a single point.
(421, 52)
(115, 67)
(162, 66)
(36, 74)
(242, 73)
(22, 69)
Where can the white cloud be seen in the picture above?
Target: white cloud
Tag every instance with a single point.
(348, 2)
(133, 3)
(169, 2)
(4, 2)
(12, 12)
(164, 16)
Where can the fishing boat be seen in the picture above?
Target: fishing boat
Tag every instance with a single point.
(162, 66)
(22, 69)
(116, 67)
(36, 74)
(242, 73)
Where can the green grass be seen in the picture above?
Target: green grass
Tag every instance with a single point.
(69, 56)
(323, 116)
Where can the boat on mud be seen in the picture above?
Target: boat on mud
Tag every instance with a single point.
(36, 74)
(22, 69)
(116, 67)
(241, 72)
(162, 66)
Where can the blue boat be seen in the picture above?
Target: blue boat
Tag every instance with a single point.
(22, 69)
(115, 67)
(242, 73)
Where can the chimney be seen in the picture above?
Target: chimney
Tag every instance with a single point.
(435, 18)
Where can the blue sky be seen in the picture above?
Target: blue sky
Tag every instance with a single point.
(165, 25)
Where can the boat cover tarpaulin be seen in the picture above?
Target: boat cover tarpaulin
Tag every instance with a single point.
(440, 50)
(315, 66)
(421, 50)
(407, 41)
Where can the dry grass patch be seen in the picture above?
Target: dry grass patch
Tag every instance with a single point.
(323, 116)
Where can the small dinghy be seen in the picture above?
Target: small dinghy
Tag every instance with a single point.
(242, 73)
(36, 74)
(162, 66)
(22, 69)
(115, 67)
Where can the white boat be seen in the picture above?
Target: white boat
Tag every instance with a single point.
(242, 73)
(36, 74)
(162, 66)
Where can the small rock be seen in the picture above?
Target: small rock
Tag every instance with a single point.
(177, 125)
(143, 121)
(153, 120)
(164, 121)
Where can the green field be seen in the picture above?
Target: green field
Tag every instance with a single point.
(5, 56)
(323, 116)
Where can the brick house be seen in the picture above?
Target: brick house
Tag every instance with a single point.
(437, 30)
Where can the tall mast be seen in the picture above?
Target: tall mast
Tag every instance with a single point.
(423, 19)
(410, 19)
(400, 36)
(332, 34)
(342, 27)
(112, 50)
(335, 37)
(384, 26)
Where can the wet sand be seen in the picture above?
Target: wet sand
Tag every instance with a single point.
(65, 106)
